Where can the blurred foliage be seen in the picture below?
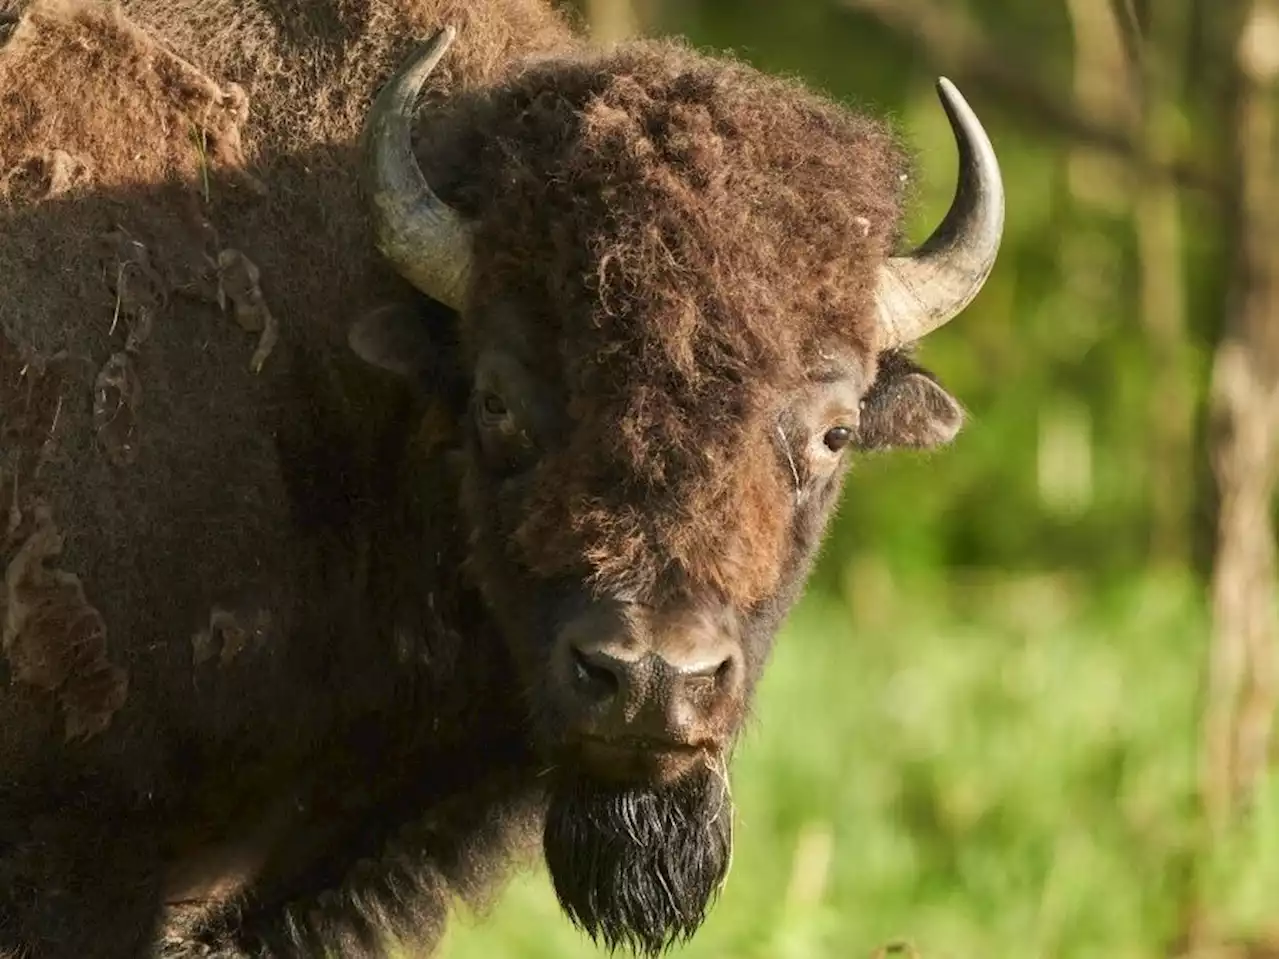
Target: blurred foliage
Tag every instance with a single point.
(980, 732)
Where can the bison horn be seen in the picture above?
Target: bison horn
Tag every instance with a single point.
(427, 242)
(919, 292)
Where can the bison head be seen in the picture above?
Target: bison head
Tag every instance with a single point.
(680, 316)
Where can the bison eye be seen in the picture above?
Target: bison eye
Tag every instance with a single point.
(507, 445)
(493, 412)
(837, 438)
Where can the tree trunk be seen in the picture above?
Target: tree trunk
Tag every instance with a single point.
(1241, 695)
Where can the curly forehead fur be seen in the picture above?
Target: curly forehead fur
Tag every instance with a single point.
(694, 232)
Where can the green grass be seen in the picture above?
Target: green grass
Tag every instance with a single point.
(1006, 772)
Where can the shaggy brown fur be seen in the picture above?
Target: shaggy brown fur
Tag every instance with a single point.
(134, 112)
(285, 682)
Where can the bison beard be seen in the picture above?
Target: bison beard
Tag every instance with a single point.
(637, 866)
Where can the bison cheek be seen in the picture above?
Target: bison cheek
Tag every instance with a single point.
(522, 605)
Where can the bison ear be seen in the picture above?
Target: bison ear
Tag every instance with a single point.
(395, 337)
(416, 340)
(907, 408)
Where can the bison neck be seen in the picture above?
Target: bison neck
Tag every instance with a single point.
(412, 740)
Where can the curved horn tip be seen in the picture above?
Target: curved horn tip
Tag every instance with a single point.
(948, 91)
(443, 38)
(958, 109)
(923, 290)
(426, 241)
(424, 58)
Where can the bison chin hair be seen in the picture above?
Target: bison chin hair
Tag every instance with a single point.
(638, 867)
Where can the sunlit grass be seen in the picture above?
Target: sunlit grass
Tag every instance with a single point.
(1014, 782)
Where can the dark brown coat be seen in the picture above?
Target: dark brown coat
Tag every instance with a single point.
(274, 670)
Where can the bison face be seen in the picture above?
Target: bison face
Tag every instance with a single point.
(679, 317)
(640, 609)
(639, 582)
(640, 612)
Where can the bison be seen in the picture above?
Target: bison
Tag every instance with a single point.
(415, 424)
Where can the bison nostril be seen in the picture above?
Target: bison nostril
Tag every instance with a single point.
(594, 674)
(723, 671)
(709, 679)
(717, 673)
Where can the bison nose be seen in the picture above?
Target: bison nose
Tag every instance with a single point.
(670, 695)
(601, 675)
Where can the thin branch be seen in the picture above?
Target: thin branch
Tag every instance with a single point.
(1131, 33)
(957, 44)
